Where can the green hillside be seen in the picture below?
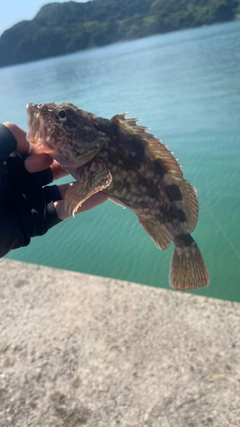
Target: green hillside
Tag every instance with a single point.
(61, 28)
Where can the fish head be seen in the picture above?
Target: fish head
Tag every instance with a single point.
(65, 132)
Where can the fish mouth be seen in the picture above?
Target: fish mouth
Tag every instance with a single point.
(36, 134)
(34, 123)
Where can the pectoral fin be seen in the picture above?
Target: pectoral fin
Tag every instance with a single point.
(81, 191)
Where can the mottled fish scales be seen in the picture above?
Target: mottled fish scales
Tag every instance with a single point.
(134, 169)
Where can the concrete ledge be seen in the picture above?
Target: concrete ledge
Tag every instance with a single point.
(81, 350)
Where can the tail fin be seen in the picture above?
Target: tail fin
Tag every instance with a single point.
(188, 270)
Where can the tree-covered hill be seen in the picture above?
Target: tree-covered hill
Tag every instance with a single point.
(61, 28)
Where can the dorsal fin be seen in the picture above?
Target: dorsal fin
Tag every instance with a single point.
(153, 145)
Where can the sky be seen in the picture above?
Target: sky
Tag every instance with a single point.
(14, 11)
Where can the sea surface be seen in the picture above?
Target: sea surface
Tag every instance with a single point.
(185, 86)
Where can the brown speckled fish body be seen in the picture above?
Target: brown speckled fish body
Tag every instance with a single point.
(134, 169)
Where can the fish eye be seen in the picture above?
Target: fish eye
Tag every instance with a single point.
(62, 115)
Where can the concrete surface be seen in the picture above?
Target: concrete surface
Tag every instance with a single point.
(79, 350)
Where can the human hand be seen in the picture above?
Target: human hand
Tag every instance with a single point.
(28, 206)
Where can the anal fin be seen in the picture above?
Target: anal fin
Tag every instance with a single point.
(157, 232)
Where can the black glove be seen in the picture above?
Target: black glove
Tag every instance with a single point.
(26, 206)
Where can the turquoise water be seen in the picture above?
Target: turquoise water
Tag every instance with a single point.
(185, 87)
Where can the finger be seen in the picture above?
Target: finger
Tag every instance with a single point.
(58, 170)
(38, 162)
(20, 136)
(90, 203)
(34, 162)
(63, 189)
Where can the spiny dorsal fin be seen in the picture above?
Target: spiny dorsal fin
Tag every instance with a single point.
(153, 145)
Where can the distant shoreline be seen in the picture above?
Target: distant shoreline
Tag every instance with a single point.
(62, 28)
(115, 43)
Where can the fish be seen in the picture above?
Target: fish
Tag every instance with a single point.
(134, 169)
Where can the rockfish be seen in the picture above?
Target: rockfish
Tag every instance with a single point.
(134, 169)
